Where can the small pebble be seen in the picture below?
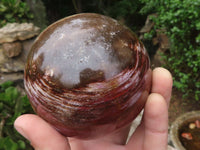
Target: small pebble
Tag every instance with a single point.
(192, 125)
(187, 136)
(197, 123)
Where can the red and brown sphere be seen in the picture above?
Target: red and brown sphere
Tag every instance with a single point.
(87, 75)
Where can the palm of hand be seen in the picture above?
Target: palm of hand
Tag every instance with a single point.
(151, 134)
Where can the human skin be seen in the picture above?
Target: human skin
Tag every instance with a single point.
(151, 134)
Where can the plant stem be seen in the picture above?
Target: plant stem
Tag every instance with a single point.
(1, 127)
(77, 7)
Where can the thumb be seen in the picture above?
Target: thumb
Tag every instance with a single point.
(41, 135)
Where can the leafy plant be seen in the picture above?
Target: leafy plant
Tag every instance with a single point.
(14, 11)
(180, 20)
(12, 105)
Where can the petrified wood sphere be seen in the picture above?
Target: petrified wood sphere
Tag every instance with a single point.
(87, 75)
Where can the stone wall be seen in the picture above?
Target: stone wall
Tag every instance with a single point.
(15, 42)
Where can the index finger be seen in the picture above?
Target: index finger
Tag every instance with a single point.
(162, 83)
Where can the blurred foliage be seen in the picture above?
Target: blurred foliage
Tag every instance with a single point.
(127, 11)
(14, 11)
(180, 20)
(12, 105)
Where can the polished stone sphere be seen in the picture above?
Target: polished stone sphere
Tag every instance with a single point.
(87, 75)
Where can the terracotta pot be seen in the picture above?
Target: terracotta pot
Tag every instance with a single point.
(180, 122)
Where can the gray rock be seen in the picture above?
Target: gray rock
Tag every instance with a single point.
(135, 124)
(157, 59)
(27, 44)
(15, 31)
(15, 64)
(39, 11)
(170, 148)
(12, 49)
(11, 77)
(148, 24)
(8, 65)
(163, 40)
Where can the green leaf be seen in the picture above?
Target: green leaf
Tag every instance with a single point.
(197, 95)
(1, 106)
(2, 97)
(11, 93)
(30, 15)
(8, 16)
(13, 11)
(198, 25)
(3, 8)
(198, 39)
(8, 144)
(21, 144)
(18, 107)
(6, 84)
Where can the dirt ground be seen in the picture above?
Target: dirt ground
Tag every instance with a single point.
(178, 105)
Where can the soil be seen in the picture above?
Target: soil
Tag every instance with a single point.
(179, 105)
(190, 137)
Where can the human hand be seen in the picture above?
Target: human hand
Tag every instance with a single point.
(151, 134)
